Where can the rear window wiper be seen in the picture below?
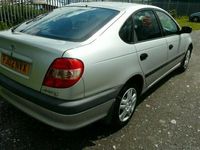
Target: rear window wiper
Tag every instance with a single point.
(13, 28)
(37, 18)
(29, 21)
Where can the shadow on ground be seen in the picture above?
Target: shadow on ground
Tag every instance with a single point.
(25, 132)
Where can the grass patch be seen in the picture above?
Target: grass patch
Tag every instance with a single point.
(184, 21)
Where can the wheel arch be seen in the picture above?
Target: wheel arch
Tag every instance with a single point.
(137, 79)
(190, 47)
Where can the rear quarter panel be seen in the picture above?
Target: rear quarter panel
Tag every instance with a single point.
(186, 40)
(109, 62)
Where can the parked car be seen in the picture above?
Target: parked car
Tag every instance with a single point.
(195, 17)
(90, 61)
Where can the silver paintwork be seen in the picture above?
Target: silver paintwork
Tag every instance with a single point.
(109, 62)
(169, 71)
(65, 122)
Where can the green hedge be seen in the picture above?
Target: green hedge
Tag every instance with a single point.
(3, 26)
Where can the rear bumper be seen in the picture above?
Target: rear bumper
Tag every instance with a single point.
(59, 113)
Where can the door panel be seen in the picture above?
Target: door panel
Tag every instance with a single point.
(151, 46)
(171, 32)
(153, 66)
(173, 43)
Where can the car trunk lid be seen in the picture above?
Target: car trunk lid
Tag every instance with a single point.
(26, 58)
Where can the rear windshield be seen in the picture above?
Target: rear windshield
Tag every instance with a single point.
(69, 23)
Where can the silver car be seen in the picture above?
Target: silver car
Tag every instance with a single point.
(89, 61)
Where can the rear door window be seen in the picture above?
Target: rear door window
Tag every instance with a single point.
(146, 25)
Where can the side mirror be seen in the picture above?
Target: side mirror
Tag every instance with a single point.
(186, 29)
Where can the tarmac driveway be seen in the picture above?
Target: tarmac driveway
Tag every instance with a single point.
(168, 117)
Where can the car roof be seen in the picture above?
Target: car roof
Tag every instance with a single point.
(120, 6)
(195, 13)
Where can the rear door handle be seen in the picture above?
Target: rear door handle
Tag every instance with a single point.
(170, 46)
(143, 56)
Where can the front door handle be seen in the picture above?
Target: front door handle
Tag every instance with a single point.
(170, 46)
(143, 56)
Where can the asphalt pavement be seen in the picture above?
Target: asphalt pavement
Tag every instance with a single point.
(168, 117)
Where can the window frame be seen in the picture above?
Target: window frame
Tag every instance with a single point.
(154, 10)
(157, 20)
(133, 34)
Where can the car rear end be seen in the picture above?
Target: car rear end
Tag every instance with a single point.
(36, 78)
(195, 17)
(26, 67)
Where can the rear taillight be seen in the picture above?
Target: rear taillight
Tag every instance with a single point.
(64, 73)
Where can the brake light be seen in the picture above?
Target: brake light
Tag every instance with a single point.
(64, 73)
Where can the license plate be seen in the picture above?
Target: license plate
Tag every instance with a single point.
(15, 64)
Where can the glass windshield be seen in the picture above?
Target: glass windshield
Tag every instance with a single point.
(69, 23)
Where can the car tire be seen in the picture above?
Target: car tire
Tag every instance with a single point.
(125, 105)
(185, 61)
(195, 19)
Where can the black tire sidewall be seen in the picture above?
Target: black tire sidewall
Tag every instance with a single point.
(182, 68)
(116, 121)
(197, 19)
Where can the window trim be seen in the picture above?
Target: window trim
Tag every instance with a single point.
(163, 35)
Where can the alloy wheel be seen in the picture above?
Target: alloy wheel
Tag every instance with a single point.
(127, 105)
